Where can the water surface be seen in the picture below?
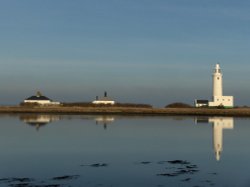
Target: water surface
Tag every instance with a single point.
(48, 150)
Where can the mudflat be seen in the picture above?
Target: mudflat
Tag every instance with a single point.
(235, 112)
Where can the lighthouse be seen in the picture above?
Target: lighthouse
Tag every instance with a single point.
(218, 99)
(217, 81)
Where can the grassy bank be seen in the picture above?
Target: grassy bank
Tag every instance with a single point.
(237, 112)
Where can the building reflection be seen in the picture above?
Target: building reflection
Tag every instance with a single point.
(219, 124)
(104, 120)
(38, 121)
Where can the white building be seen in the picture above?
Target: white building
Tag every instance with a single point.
(201, 103)
(218, 98)
(104, 100)
(40, 99)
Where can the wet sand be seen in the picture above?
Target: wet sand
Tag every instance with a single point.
(236, 112)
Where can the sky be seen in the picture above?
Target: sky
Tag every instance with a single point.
(144, 51)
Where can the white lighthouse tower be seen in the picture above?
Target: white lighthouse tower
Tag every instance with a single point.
(218, 98)
(217, 81)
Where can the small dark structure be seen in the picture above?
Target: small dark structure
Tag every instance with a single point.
(201, 103)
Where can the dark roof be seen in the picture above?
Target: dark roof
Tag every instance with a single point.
(202, 101)
(34, 97)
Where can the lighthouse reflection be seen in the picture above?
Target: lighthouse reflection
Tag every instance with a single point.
(38, 121)
(219, 124)
(104, 120)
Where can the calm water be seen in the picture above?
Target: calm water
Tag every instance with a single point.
(42, 150)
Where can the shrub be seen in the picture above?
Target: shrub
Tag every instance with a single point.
(88, 104)
(135, 105)
(29, 104)
(220, 107)
(178, 105)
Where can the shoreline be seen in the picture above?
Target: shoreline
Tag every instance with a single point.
(236, 112)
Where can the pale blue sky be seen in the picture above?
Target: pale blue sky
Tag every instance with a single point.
(145, 51)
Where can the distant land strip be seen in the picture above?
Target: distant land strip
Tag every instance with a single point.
(235, 112)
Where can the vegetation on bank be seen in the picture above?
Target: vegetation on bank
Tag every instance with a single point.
(236, 112)
(88, 104)
(29, 104)
(178, 105)
(184, 105)
(130, 105)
